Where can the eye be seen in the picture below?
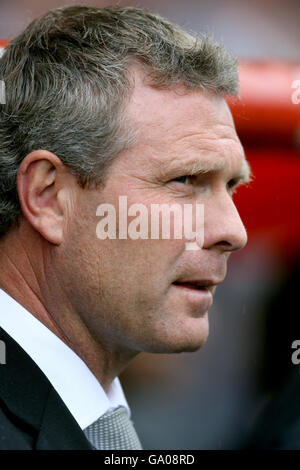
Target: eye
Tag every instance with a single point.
(232, 185)
(181, 179)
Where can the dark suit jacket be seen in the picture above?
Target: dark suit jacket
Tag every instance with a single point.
(32, 415)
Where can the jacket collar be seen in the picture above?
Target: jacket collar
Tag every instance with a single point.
(29, 395)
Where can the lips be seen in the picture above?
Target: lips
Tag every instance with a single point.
(195, 296)
(191, 285)
(204, 285)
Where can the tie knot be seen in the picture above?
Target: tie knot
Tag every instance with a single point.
(113, 431)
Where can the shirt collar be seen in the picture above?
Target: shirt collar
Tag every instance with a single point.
(69, 375)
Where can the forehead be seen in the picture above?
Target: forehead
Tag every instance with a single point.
(176, 109)
(180, 126)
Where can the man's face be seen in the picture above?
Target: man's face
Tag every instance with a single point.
(153, 295)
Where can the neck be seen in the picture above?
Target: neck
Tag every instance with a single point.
(24, 258)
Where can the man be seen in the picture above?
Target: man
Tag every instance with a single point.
(103, 104)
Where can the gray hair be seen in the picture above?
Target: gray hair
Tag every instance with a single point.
(67, 84)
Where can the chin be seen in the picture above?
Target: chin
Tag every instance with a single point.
(188, 338)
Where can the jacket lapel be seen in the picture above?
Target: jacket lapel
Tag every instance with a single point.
(29, 395)
(59, 430)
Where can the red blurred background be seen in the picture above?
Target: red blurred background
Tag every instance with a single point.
(268, 123)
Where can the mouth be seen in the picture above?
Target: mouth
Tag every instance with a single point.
(197, 295)
(204, 285)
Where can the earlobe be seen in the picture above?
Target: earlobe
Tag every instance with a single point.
(38, 189)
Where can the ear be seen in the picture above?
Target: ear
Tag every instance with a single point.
(40, 184)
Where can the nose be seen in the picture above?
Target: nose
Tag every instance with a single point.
(223, 227)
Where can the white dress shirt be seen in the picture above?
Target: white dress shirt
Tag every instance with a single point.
(69, 375)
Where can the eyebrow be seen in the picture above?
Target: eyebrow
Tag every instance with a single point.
(207, 166)
(245, 175)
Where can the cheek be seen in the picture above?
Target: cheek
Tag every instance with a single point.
(138, 260)
(135, 276)
(132, 262)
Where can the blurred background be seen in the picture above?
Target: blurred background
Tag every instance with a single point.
(241, 390)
